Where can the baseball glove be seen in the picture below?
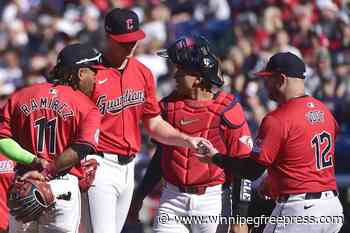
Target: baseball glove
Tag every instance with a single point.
(29, 198)
(89, 171)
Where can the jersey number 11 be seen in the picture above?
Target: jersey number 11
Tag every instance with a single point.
(46, 128)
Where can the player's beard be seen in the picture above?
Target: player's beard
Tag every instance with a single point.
(273, 89)
(274, 94)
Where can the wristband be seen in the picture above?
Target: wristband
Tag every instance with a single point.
(36, 164)
(218, 159)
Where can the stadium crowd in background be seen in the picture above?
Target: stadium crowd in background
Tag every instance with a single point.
(245, 35)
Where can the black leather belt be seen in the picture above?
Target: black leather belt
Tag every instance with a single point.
(308, 196)
(122, 160)
(192, 189)
(199, 190)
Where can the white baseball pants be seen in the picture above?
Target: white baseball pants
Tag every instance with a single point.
(64, 218)
(214, 202)
(111, 193)
(325, 209)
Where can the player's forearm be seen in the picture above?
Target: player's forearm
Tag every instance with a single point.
(12, 150)
(152, 177)
(260, 180)
(164, 133)
(246, 167)
(67, 159)
(72, 156)
(64, 161)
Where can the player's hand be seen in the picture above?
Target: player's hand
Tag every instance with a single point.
(195, 142)
(206, 148)
(41, 165)
(263, 190)
(49, 170)
(262, 187)
(35, 175)
(38, 164)
(135, 207)
(239, 228)
(206, 151)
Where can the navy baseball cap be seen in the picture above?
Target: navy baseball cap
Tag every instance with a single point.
(122, 25)
(284, 63)
(79, 55)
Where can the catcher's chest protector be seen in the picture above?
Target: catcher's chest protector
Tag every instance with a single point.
(197, 118)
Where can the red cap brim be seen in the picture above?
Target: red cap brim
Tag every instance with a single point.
(263, 74)
(128, 37)
(99, 66)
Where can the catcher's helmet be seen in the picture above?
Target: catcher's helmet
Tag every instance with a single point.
(193, 54)
(74, 56)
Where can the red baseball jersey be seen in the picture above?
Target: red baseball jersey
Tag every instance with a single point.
(221, 121)
(46, 119)
(6, 178)
(296, 142)
(124, 99)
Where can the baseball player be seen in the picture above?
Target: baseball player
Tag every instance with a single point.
(125, 95)
(60, 126)
(198, 108)
(296, 144)
(6, 177)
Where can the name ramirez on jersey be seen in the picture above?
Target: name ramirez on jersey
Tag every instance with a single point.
(44, 102)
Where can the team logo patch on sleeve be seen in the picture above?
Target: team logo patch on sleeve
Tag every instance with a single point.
(247, 140)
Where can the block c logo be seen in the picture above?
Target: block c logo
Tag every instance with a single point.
(129, 24)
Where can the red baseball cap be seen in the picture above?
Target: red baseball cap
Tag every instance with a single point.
(122, 25)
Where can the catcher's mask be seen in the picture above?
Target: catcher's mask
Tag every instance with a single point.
(193, 54)
(70, 60)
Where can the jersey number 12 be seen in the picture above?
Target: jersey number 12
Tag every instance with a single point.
(323, 158)
(44, 128)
